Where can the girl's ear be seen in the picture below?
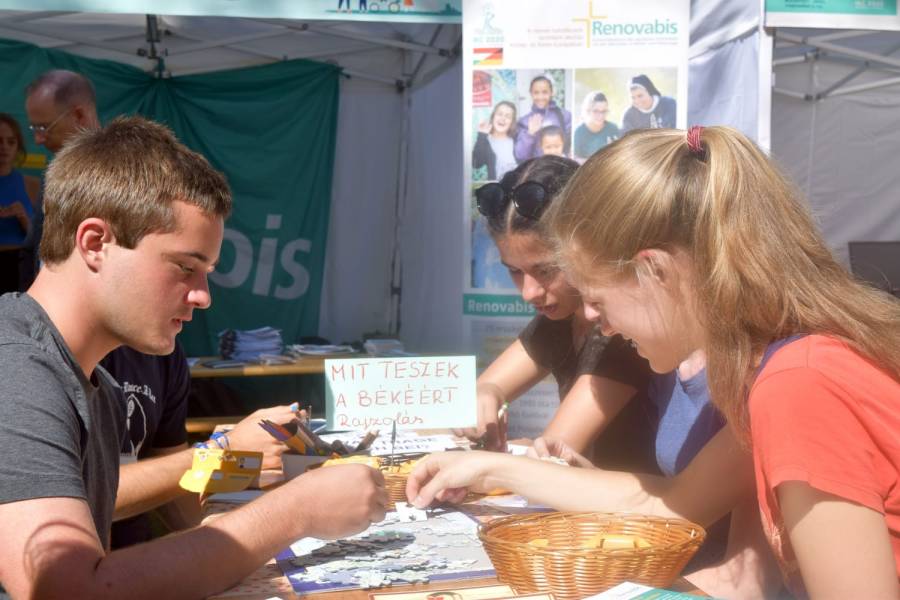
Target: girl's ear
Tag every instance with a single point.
(657, 264)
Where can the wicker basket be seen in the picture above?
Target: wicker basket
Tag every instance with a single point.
(568, 570)
(395, 483)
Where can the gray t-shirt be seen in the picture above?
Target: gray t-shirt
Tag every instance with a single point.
(60, 433)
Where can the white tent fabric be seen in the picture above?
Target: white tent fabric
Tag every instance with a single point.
(841, 149)
(373, 168)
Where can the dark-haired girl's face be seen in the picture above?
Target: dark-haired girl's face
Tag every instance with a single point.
(533, 269)
(541, 93)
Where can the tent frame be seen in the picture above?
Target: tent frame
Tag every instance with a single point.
(824, 47)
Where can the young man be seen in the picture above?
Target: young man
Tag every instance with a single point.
(59, 104)
(134, 225)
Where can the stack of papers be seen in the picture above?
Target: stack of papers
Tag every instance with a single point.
(318, 349)
(250, 345)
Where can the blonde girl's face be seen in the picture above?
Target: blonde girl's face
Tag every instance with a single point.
(503, 120)
(533, 269)
(644, 312)
(541, 93)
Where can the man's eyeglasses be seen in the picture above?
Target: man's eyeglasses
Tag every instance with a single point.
(45, 129)
(529, 198)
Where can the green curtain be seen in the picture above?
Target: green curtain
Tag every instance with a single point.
(271, 130)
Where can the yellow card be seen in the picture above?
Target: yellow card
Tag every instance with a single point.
(219, 470)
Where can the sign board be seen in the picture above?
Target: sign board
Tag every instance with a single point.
(412, 392)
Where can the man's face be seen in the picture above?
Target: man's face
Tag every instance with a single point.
(148, 292)
(59, 123)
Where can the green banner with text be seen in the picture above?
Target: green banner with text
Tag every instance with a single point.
(272, 131)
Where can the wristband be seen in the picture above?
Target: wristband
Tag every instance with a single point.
(218, 438)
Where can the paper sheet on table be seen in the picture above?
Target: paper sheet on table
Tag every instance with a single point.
(408, 442)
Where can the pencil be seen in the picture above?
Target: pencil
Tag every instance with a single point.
(503, 410)
(283, 435)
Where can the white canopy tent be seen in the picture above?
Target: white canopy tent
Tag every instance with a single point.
(395, 246)
(836, 111)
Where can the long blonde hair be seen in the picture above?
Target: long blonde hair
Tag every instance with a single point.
(760, 269)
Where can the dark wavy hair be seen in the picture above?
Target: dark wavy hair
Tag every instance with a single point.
(552, 172)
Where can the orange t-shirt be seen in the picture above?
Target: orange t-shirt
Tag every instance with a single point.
(822, 414)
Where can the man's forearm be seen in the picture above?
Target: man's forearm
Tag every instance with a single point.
(149, 483)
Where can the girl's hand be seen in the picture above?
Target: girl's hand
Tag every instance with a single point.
(535, 122)
(491, 429)
(448, 476)
(484, 127)
(547, 447)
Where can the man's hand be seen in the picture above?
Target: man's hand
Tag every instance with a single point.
(248, 435)
(340, 501)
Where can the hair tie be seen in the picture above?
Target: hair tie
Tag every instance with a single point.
(693, 140)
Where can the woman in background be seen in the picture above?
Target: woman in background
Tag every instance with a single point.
(18, 194)
(495, 140)
(595, 131)
(649, 108)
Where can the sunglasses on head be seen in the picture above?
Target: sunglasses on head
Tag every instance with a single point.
(529, 199)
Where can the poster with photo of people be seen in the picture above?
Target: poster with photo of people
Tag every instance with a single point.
(554, 77)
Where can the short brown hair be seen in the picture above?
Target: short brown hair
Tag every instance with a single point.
(128, 174)
(21, 152)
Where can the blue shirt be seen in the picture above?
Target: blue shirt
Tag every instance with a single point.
(12, 189)
(687, 419)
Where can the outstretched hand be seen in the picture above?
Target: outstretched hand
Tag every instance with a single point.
(552, 448)
(449, 476)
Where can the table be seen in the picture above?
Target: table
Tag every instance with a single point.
(268, 582)
(307, 365)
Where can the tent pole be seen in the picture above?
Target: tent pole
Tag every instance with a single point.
(765, 82)
(837, 49)
(421, 61)
(791, 94)
(395, 304)
(863, 87)
(372, 39)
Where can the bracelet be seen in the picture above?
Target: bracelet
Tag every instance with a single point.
(220, 440)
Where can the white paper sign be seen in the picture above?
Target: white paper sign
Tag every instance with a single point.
(411, 392)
